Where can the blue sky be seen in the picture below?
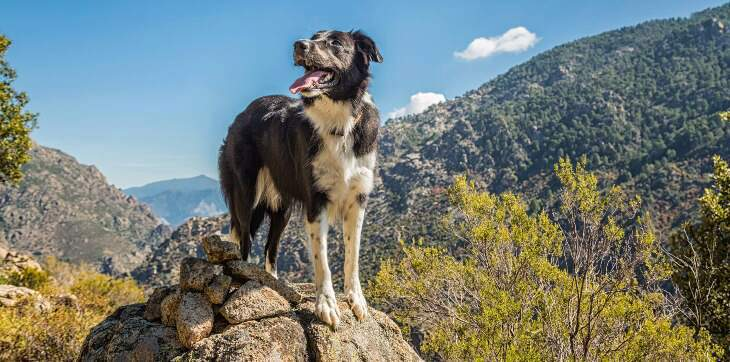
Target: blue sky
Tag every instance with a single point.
(145, 90)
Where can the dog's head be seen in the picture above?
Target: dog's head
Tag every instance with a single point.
(336, 63)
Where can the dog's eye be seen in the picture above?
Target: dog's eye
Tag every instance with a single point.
(336, 43)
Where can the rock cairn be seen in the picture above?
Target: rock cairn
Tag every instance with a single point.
(224, 308)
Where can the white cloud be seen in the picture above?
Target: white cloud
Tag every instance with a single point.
(419, 102)
(514, 40)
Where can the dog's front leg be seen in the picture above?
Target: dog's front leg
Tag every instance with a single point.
(326, 305)
(353, 220)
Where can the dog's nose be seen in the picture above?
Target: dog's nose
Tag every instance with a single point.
(301, 45)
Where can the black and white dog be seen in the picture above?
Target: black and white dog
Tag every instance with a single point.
(317, 151)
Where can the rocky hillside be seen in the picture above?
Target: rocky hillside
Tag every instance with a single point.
(162, 265)
(177, 200)
(640, 102)
(225, 309)
(68, 210)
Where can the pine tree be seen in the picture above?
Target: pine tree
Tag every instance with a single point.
(15, 122)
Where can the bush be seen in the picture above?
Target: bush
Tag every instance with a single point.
(701, 255)
(580, 282)
(30, 278)
(57, 335)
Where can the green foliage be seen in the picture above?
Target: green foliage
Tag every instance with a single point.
(102, 294)
(15, 123)
(725, 116)
(30, 278)
(701, 253)
(27, 334)
(576, 282)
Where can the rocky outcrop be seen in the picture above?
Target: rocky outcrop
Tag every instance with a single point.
(162, 266)
(12, 261)
(256, 318)
(127, 336)
(12, 296)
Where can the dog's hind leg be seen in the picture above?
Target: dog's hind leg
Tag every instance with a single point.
(352, 228)
(241, 226)
(257, 216)
(325, 306)
(279, 220)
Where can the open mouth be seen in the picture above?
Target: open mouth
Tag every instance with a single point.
(312, 79)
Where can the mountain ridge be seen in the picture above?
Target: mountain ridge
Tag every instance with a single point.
(68, 210)
(199, 182)
(176, 200)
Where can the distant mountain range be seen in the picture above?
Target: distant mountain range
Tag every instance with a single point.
(176, 200)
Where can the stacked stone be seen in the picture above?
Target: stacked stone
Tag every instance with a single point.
(224, 309)
(218, 292)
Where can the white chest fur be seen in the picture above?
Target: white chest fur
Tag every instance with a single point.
(336, 168)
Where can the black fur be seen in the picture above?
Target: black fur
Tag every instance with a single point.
(273, 132)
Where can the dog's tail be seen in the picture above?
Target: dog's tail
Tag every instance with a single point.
(229, 184)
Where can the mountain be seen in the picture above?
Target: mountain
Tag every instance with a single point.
(639, 102)
(179, 199)
(68, 210)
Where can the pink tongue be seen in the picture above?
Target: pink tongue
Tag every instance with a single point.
(308, 80)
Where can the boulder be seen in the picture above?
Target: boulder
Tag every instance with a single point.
(127, 336)
(220, 249)
(247, 271)
(253, 301)
(195, 274)
(272, 339)
(194, 319)
(169, 306)
(11, 296)
(217, 290)
(377, 338)
(152, 310)
(66, 300)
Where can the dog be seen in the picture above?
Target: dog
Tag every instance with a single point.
(318, 151)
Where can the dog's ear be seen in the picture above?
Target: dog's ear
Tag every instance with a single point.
(366, 45)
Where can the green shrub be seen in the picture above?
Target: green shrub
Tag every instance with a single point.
(30, 278)
(580, 282)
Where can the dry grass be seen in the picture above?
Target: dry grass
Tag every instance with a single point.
(27, 334)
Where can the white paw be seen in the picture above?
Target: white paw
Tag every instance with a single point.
(271, 269)
(326, 308)
(358, 304)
